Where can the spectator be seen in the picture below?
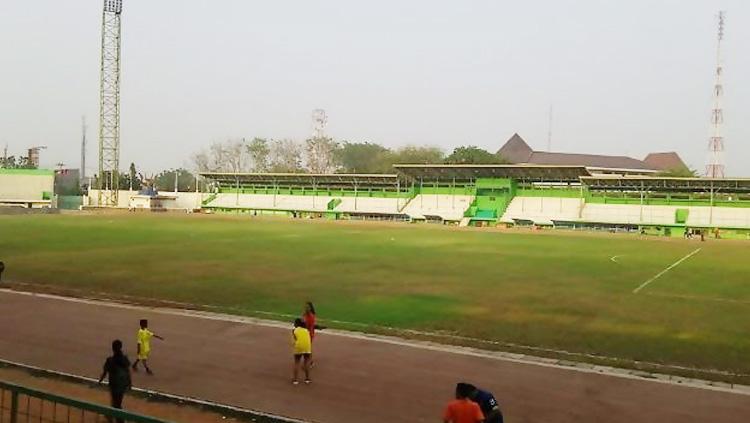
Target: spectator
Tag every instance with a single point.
(117, 367)
(462, 409)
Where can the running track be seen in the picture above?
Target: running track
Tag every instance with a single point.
(355, 380)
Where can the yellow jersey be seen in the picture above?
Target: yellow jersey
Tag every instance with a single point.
(302, 342)
(144, 340)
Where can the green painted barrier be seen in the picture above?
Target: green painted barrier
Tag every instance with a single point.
(28, 403)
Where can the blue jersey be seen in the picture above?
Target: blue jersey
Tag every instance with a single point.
(488, 403)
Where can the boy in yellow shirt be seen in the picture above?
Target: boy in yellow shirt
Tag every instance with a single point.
(302, 350)
(144, 345)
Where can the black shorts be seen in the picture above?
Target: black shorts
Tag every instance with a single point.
(305, 355)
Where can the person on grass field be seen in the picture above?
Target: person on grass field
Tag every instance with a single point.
(487, 403)
(310, 319)
(144, 346)
(463, 409)
(302, 351)
(117, 367)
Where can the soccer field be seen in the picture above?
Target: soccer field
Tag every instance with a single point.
(555, 290)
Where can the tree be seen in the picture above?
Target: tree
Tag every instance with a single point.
(473, 155)
(8, 162)
(679, 172)
(363, 157)
(285, 156)
(321, 156)
(227, 156)
(165, 181)
(259, 153)
(418, 155)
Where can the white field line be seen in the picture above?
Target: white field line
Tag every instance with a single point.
(672, 266)
(613, 259)
(432, 346)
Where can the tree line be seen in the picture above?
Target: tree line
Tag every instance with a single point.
(326, 155)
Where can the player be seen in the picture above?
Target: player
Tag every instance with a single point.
(144, 346)
(311, 324)
(462, 409)
(487, 402)
(302, 350)
(117, 367)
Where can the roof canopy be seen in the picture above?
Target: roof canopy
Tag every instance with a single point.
(302, 179)
(650, 183)
(470, 172)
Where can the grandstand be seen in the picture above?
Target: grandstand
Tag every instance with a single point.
(27, 188)
(478, 195)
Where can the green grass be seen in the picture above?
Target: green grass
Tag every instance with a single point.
(552, 290)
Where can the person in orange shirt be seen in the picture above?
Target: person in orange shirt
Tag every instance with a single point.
(462, 409)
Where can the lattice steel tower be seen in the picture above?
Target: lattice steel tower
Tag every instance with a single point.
(109, 104)
(715, 166)
(319, 122)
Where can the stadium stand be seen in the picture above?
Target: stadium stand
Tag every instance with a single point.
(479, 195)
(542, 210)
(438, 207)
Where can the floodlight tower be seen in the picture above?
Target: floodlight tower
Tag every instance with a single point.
(109, 104)
(715, 166)
(319, 122)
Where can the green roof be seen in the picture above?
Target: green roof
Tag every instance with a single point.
(37, 172)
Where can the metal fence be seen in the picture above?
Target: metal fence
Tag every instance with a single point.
(19, 404)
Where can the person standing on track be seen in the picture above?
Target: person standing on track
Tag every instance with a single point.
(144, 345)
(302, 351)
(117, 367)
(310, 319)
(463, 409)
(487, 402)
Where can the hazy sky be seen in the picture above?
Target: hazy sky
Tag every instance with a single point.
(625, 77)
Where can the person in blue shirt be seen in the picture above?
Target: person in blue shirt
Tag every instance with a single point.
(487, 402)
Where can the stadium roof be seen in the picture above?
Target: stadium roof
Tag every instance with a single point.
(332, 179)
(650, 183)
(464, 172)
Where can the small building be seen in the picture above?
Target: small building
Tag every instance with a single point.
(151, 200)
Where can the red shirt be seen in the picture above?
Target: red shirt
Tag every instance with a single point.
(463, 411)
(310, 323)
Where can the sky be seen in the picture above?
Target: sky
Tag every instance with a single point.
(622, 77)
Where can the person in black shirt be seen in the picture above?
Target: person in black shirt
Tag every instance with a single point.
(487, 402)
(117, 367)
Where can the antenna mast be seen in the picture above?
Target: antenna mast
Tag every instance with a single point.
(319, 122)
(715, 166)
(109, 104)
(82, 174)
(549, 130)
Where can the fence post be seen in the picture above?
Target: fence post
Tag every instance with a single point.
(14, 406)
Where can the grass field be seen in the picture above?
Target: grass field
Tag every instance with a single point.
(552, 290)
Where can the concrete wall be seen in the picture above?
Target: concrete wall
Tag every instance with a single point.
(28, 185)
(184, 200)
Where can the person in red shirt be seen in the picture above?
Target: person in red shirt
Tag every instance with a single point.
(462, 409)
(310, 319)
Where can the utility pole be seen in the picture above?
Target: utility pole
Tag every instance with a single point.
(109, 104)
(715, 165)
(83, 151)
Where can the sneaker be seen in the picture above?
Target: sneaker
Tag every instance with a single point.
(295, 382)
(308, 381)
(149, 372)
